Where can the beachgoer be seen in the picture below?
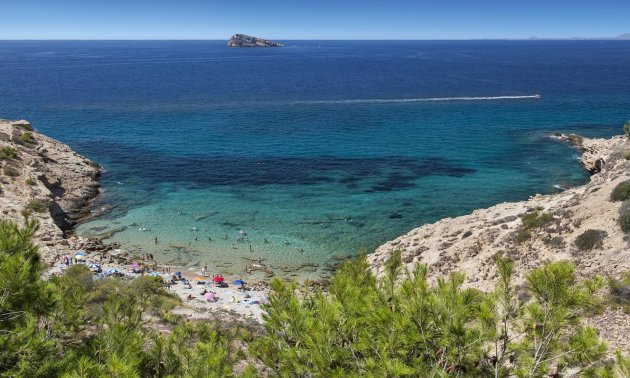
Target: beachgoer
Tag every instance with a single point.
(156, 240)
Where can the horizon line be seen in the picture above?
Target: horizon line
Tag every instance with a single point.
(327, 39)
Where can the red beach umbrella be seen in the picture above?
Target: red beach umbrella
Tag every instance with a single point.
(218, 279)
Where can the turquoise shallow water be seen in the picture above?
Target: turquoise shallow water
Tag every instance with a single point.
(314, 150)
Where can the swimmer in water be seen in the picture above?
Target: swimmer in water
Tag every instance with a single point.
(286, 242)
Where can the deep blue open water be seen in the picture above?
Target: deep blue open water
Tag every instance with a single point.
(317, 149)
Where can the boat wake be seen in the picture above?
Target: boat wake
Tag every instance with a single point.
(423, 99)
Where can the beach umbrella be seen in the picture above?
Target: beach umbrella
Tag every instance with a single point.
(218, 279)
(210, 297)
(154, 274)
(135, 265)
(113, 271)
(82, 253)
(94, 267)
(239, 282)
(199, 278)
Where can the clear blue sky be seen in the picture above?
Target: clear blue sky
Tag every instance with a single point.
(311, 19)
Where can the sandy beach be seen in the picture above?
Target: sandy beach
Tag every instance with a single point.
(235, 302)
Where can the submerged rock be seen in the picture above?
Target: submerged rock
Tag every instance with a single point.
(244, 40)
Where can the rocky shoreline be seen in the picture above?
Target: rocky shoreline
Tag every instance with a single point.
(47, 181)
(469, 243)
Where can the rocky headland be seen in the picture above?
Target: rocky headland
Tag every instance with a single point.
(244, 40)
(45, 180)
(543, 228)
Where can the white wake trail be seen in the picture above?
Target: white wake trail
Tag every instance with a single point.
(424, 99)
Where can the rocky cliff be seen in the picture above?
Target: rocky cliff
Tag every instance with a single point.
(48, 181)
(543, 228)
(244, 40)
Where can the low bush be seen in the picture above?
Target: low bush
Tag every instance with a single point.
(535, 219)
(590, 239)
(627, 156)
(532, 220)
(8, 152)
(624, 216)
(10, 171)
(620, 291)
(37, 205)
(626, 129)
(523, 235)
(29, 181)
(26, 138)
(621, 191)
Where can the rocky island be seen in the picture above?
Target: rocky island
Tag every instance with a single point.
(244, 40)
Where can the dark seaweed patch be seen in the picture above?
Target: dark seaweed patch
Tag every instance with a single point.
(392, 172)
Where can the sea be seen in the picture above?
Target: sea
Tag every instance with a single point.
(295, 158)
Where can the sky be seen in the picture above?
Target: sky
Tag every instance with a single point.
(312, 19)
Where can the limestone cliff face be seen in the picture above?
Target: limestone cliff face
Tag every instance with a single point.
(244, 40)
(47, 179)
(468, 243)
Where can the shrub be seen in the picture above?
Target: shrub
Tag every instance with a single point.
(37, 205)
(8, 152)
(590, 239)
(620, 291)
(624, 216)
(523, 235)
(535, 219)
(627, 156)
(10, 171)
(626, 129)
(621, 191)
(26, 138)
(29, 181)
